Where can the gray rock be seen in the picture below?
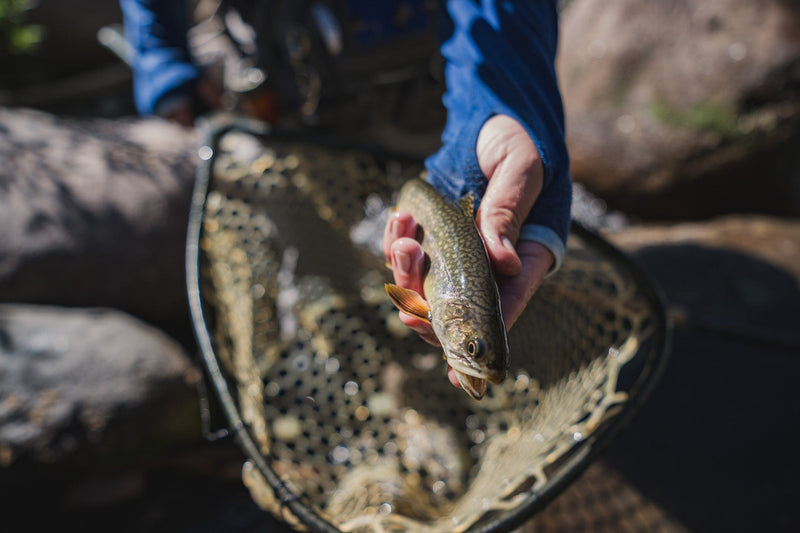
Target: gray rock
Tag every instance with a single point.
(94, 212)
(673, 108)
(738, 276)
(88, 392)
(720, 430)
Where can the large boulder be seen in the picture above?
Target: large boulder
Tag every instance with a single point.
(87, 392)
(736, 275)
(720, 430)
(94, 212)
(685, 108)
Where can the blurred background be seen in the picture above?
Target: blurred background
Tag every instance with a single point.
(683, 125)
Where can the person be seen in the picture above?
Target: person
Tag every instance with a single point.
(503, 139)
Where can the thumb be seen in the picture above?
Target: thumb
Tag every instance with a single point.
(510, 161)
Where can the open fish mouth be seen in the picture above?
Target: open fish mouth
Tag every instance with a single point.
(472, 380)
(474, 386)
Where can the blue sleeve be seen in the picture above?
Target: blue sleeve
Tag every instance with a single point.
(162, 68)
(500, 59)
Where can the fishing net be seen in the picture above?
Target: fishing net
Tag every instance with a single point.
(346, 416)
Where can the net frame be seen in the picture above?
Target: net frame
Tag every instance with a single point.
(293, 507)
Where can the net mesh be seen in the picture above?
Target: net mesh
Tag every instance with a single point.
(349, 408)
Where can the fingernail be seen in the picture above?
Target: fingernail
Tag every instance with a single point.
(402, 262)
(506, 242)
(398, 227)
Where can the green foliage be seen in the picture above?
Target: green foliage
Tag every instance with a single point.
(704, 116)
(16, 35)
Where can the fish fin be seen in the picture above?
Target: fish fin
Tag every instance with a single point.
(467, 204)
(408, 301)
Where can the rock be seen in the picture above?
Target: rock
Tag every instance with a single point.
(87, 392)
(69, 70)
(65, 48)
(94, 212)
(719, 432)
(736, 275)
(675, 108)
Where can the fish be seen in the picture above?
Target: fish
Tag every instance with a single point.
(462, 302)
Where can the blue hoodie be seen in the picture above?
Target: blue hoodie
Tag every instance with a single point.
(500, 59)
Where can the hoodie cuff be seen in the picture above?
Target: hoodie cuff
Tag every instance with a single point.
(547, 238)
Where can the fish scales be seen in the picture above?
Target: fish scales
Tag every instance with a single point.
(449, 237)
(464, 304)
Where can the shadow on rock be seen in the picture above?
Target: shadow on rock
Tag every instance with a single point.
(716, 444)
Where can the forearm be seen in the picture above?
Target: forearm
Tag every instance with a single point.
(163, 69)
(500, 60)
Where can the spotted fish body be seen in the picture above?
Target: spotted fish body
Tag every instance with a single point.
(461, 292)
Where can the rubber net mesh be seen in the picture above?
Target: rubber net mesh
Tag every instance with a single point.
(352, 411)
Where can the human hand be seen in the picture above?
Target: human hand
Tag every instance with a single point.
(509, 159)
(182, 111)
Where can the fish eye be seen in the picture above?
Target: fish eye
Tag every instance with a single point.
(475, 348)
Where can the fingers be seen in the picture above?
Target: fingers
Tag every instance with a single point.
(399, 225)
(451, 375)
(516, 291)
(509, 159)
(408, 264)
(182, 115)
(407, 259)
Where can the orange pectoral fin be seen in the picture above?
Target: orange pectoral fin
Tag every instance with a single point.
(408, 301)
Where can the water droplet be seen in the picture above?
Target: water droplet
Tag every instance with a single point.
(258, 291)
(272, 389)
(332, 365)
(577, 436)
(351, 388)
(385, 508)
(340, 454)
(438, 487)
(255, 75)
(205, 153)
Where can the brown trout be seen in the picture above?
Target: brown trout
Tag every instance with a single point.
(463, 304)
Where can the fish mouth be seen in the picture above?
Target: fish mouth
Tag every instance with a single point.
(472, 380)
(474, 386)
